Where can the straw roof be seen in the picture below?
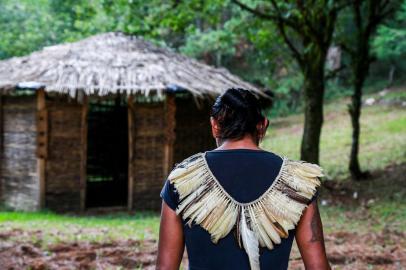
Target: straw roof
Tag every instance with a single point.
(112, 62)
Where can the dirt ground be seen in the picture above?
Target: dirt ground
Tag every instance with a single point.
(367, 251)
(112, 255)
(385, 250)
(363, 248)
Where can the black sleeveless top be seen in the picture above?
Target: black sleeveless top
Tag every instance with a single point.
(245, 174)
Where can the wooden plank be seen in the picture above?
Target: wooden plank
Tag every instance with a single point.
(42, 134)
(1, 146)
(1, 124)
(41, 161)
(170, 123)
(20, 175)
(64, 162)
(83, 154)
(130, 151)
(148, 154)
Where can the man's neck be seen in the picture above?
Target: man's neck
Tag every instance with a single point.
(246, 142)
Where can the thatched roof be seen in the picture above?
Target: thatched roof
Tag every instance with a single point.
(112, 62)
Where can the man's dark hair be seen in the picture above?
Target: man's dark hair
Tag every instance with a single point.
(238, 112)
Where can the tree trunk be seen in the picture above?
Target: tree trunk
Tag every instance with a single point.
(313, 93)
(391, 75)
(374, 12)
(355, 112)
(360, 70)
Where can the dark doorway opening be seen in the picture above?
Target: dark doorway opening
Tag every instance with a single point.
(107, 154)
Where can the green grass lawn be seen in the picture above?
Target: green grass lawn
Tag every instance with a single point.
(50, 228)
(383, 142)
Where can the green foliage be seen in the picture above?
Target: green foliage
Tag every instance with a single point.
(390, 41)
(25, 27)
(220, 42)
(288, 95)
(134, 17)
(217, 32)
(29, 25)
(336, 90)
(75, 19)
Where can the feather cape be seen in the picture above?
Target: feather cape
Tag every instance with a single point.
(259, 223)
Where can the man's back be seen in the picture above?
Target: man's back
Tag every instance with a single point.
(245, 174)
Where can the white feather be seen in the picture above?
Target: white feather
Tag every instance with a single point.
(249, 242)
(190, 198)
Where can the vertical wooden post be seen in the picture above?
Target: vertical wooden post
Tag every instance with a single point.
(1, 146)
(83, 153)
(130, 104)
(1, 124)
(170, 123)
(42, 144)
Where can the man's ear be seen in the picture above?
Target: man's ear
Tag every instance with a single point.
(266, 123)
(215, 130)
(262, 127)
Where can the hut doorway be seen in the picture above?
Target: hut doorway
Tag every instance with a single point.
(107, 154)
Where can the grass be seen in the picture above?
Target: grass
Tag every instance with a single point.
(47, 229)
(383, 142)
(384, 215)
(56, 228)
(395, 95)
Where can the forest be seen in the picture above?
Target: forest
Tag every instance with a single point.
(335, 71)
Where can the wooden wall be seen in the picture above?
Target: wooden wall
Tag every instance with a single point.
(162, 133)
(63, 164)
(19, 177)
(165, 133)
(148, 157)
(193, 131)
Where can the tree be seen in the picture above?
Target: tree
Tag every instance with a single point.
(25, 27)
(306, 28)
(390, 41)
(76, 19)
(217, 32)
(366, 16)
(29, 25)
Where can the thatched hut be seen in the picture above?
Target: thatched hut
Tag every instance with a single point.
(104, 122)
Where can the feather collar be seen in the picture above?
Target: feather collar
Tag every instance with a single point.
(262, 222)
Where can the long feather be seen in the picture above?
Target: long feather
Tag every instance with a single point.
(266, 213)
(189, 199)
(190, 183)
(196, 196)
(311, 169)
(263, 237)
(270, 229)
(237, 227)
(249, 242)
(182, 171)
(225, 224)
